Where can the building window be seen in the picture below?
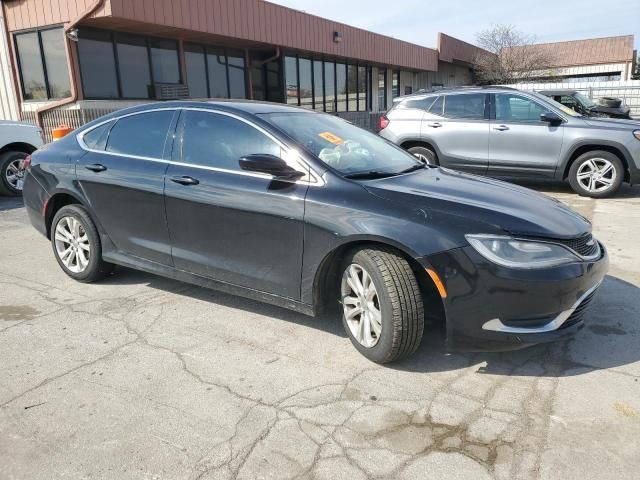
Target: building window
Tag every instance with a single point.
(330, 86)
(395, 83)
(362, 89)
(196, 66)
(121, 65)
(318, 85)
(382, 89)
(305, 85)
(165, 61)
(341, 87)
(235, 67)
(291, 80)
(98, 64)
(352, 88)
(214, 72)
(133, 65)
(42, 63)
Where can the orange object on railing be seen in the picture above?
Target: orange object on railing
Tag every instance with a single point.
(60, 131)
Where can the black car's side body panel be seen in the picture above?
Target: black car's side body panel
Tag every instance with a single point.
(273, 240)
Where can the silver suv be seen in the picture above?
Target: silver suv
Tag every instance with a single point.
(504, 132)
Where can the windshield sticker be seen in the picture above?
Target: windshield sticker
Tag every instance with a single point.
(330, 137)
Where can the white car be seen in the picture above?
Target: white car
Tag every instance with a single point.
(17, 141)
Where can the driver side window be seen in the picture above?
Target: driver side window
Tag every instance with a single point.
(514, 108)
(219, 141)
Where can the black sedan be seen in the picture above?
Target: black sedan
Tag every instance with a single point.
(304, 210)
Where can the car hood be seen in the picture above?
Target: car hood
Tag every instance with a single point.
(458, 200)
(612, 122)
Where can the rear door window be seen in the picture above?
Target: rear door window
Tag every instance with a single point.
(418, 103)
(142, 135)
(468, 106)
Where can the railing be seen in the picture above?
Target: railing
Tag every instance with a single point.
(80, 114)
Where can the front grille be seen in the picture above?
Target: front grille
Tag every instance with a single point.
(578, 313)
(585, 245)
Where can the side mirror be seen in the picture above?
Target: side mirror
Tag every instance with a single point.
(271, 165)
(551, 118)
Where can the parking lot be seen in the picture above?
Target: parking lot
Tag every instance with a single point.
(143, 377)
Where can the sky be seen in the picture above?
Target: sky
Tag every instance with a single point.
(419, 21)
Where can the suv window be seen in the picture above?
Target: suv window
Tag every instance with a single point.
(96, 139)
(216, 140)
(142, 135)
(436, 107)
(419, 103)
(467, 106)
(510, 107)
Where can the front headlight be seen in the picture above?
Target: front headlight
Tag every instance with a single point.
(514, 253)
(636, 133)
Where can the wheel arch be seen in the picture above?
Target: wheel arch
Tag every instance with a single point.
(55, 202)
(407, 144)
(325, 284)
(18, 147)
(615, 149)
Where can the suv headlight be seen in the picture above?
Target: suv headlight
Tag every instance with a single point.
(514, 253)
(636, 133)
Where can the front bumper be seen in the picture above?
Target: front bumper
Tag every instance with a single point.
(493, 308)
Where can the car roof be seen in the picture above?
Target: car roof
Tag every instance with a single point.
(445, 91)
(237, 106)
(557, 92)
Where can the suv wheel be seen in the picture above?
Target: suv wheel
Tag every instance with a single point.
(596, 174)
(76, 245)
(425, 154)
(383, 312)
(11, 173)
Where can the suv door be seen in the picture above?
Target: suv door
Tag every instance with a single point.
(228, 224)
(520, 143)
(457, 125)
(122, 177)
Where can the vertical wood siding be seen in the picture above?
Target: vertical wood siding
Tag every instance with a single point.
(21, 15)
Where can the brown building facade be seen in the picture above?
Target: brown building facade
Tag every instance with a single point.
(70, 54)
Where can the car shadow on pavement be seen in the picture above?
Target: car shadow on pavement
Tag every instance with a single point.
(10, 203)
(610, 337)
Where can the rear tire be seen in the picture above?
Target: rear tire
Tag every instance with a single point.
(76, 245)
(388, 324)
(424, 154)
(596, 174)
(11, 173)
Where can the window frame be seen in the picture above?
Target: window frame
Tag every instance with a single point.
(113, 40)
(38, 32)
(486, 112)
(174, 136)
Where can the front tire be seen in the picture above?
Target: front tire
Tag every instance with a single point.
(76, 245)
(11, 173)
(596, 174)
(424, 154)
(383, 313)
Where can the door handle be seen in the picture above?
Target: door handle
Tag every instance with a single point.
(502, 128)
(434, 124)
(96, 167)
(184, 180)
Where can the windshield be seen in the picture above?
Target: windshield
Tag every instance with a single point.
(586, 101)
(350, 150)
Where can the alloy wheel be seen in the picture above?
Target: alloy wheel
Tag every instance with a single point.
(14, 173)
(596, 175)
(72, 244)
(361, 305)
